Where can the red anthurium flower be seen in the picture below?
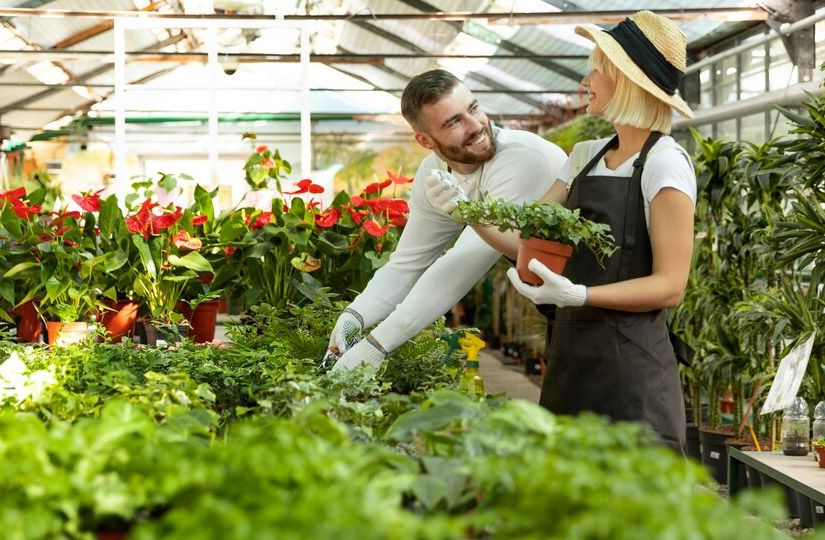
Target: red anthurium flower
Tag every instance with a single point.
(61, 230)
(199, 220)
(69, 243)
(329, 218)
(74, 214)
(268, 163)
(305, 186)
(166, 220)
(228, 251)
(376, 186)
(374, 229)
(23, 210)
(398, 178)
(88, 201)
(398, 221)
(183, 240)
(357, 217)
(261, 149)
(206, 277)
(398, 206)
(13, 194)
(313, 204)
(141, 221)
(261, 222)
(356, 200)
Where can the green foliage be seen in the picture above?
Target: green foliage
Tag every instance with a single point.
(581, 128)
(549, 221)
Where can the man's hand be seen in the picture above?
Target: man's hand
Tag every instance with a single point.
(367, 351)
(556, 289)
(347, 331)
(444, 192)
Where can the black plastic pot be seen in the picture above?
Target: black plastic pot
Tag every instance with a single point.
(715, 453)
(692, 446)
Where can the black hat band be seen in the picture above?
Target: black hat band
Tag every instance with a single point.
(645, 54)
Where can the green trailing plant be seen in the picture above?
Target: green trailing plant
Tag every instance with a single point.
(548, 221)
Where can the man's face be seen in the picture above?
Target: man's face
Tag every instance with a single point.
(457, 130)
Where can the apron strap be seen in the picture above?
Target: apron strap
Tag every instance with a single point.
(635, 207)
(612, 143)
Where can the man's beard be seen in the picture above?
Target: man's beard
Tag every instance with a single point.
(461, 154)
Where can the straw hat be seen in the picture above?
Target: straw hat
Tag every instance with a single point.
(650, 50)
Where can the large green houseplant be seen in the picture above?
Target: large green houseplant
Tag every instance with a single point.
(545, 227)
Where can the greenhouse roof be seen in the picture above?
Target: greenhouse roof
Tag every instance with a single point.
(521, 57)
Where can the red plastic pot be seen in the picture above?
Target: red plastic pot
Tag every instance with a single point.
(29, 327)
(202, 320)
(119, 320)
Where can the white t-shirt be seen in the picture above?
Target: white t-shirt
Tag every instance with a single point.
(667, 165)
(421, 282)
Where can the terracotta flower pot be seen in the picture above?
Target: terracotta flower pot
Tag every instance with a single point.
(29, 327)
(119, 321)
(551, 254)
(202, 320)
(820, 456)
(63, 333)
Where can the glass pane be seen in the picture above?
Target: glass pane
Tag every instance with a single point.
(752, 128)
(726, 130)
(778, 125)
(726, 94)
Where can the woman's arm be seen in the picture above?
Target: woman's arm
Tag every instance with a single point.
(507, 242)
(671, 240)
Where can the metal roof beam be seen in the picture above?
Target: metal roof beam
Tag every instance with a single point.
(364, 58)
(507, 45)
(752, 13)
(496, 86)
(80, 80)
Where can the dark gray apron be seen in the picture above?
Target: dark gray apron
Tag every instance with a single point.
(616, 363)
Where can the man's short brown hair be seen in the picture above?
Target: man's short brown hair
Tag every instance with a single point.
(423, 89)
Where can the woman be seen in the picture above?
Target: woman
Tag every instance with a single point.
(609, 351)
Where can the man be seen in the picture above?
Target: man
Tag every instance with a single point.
(419, 283)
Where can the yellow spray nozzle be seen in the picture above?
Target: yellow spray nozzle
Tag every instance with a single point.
(471, 344)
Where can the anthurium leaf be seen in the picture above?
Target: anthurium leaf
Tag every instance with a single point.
(7, 291)
(19, 267)
(334, 240)
(9, 220)
(377, 259)
(192, 260)
(115, 260)
(204, 201)
(145, 255)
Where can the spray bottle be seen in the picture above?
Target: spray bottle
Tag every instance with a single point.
(470, 382)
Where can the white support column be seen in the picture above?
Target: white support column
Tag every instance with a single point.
(306, 102)
(121, 182)
(212, 67)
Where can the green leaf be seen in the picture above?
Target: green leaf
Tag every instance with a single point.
(20, 267)
(192, 260)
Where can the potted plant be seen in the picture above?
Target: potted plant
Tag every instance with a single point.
(165, 258)
(547, 231)
(819, 448)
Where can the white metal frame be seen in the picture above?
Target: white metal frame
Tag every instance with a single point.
(122, 24)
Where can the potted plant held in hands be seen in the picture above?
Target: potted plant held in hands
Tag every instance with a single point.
(547, 231)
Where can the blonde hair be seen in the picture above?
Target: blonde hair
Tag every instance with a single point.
(630, 105)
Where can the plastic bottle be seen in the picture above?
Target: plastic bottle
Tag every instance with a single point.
(471, 382)
(819, 421)
(796, 427)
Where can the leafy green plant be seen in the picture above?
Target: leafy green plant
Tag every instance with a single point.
(549, 221)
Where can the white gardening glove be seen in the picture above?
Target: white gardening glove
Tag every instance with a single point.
(347, 331)
(556, 289)
(367, 351)
(444, 192)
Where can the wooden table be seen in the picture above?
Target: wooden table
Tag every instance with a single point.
(800, 473)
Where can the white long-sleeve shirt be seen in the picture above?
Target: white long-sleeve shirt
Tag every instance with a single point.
(421, 282)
